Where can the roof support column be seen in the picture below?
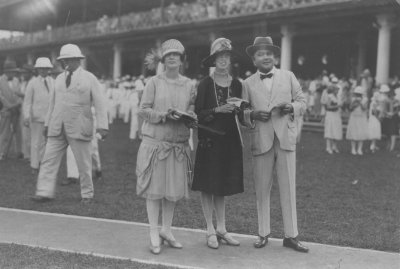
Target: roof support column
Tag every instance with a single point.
(362, 52)
(385, 22)
(287, 32)
(117, 62)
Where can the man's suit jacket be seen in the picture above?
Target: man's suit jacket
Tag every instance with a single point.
(37, 98)
(285, 89)
(8, 94)
(71, 107)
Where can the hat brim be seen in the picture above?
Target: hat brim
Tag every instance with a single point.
(12, 70)
(250, 50)
(43, 67)
(70, 57)
(209, 61)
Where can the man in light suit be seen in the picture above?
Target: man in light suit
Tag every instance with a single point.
(69, 121)
(10, 113)
(276, 101)
(36, 105)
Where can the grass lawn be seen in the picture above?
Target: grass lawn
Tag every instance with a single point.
(331, 209)
(21, 257)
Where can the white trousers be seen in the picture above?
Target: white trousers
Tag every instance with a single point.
(38, 143)
(285, 164)
(72, 167)
(54, 152)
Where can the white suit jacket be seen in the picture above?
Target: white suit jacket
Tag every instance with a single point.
(70, 107)
(37, 98)
(285, 89)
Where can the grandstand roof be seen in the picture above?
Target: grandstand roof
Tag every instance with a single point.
(33, 15)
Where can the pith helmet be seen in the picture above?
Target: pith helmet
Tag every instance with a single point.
(70, 51)
(43, 62)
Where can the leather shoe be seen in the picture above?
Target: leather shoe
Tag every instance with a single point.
(212, 241)
(261, 241)
(227, 238)
(41, 199)
(86, 200)
(294, 244)
(171, 241)
(69, 181)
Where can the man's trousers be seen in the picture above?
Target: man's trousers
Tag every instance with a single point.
(54, 152)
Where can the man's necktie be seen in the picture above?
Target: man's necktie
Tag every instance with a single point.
(264, 76)
(68, 80)
(45, 84)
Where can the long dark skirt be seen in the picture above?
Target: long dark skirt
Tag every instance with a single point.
(219, 165)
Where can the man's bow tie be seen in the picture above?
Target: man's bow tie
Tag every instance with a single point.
(264, 76)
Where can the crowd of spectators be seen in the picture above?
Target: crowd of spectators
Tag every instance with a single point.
(172, 14)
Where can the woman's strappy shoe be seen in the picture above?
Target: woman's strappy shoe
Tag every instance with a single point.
(227, 238)
(212, 243)
(171, 242)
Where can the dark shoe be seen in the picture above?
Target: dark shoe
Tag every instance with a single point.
(41, 199)
(86, 200)
(294, 244)
(34, 171)
(228, 239)
(261, 241)
(171, 241)
(97, 175)
(69, 181)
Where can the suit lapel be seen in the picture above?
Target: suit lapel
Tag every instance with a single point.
(274, 86)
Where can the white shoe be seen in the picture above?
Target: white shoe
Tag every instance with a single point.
(360, 152)
(354, 152)
(329, 151)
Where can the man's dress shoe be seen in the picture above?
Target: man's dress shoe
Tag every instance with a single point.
(294, 244)
(41, 199)
(261, 241)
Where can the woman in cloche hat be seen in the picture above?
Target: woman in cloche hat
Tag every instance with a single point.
(219, 165)
(163, 166)
(357, 128)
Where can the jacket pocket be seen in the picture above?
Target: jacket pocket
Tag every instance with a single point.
(86, 126)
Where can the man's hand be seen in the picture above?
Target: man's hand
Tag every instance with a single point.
(26, 122)
(45, 131)
(260, 115)
(287, 109)
(227, 108)
(102, 133)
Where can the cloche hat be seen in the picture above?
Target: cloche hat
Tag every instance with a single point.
(70, 51)
(219, 45)
(261, 42)
(384, 88)
(359, 90)
(43, 62)
(171, 45)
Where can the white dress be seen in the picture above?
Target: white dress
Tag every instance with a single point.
(357, 128)
(333, 121)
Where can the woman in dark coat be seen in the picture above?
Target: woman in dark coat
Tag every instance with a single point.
(219, 163)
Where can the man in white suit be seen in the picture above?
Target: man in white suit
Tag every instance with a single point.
(276, 101)
(36, 104)
(69, 121)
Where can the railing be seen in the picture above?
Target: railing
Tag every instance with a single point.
(171, 15)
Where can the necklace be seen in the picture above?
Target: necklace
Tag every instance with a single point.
(215, 92)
